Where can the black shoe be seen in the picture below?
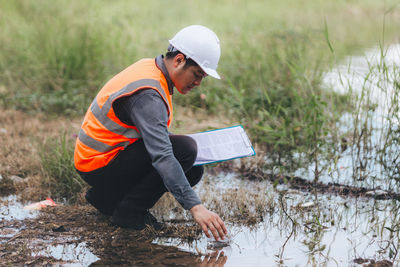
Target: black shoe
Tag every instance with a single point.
(104, 208)
(152, 221)
(137, 221)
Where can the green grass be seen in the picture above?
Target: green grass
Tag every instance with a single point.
(59, 177)
(56, 55)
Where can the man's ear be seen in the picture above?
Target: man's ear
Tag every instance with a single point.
(179, 59)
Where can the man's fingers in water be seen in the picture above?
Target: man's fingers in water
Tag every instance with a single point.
(213, 231)
(221, 258)
(221, 222)
(219, 229)
(205, 230)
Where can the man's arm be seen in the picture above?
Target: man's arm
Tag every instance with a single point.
(149, 114)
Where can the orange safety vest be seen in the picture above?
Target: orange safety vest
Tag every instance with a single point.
(102, 134)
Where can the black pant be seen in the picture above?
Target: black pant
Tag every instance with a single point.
(131, 183)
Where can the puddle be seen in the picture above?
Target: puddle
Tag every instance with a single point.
(303, 229)
(69, 254)
(11, 209)
(312, 230)
(359, 165)
(355, 74)
(343, 231)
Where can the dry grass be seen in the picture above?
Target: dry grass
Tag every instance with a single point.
(18, 155)
(243, 205)
(21, 134)
(24, 133)
(188, 121)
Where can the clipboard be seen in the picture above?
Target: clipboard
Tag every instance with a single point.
(222, 145)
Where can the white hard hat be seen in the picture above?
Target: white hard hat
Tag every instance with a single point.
(201, 45)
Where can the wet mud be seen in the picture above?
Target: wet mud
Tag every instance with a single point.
(305, 185)
(373, 263)
(7, 187)
(337, 189)
(84, 231)
(22, 240)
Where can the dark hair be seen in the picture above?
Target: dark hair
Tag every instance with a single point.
(189, 62)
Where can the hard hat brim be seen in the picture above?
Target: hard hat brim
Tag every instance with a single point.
(211, 72)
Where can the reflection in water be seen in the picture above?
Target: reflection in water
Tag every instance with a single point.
(334, 232)
(11, 209)
(69, 254)
(216, 258)
(372, 129)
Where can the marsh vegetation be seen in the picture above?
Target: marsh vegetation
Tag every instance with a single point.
(316, 84)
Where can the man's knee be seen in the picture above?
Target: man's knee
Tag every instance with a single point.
(185, 149)
(194, 175)
(190, 145)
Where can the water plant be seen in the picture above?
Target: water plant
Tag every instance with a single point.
(373, 130)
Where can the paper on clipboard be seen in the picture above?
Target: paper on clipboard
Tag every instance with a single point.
(222, 144)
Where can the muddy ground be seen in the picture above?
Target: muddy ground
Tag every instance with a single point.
(78, 224)
(20, 173)
(21, 241)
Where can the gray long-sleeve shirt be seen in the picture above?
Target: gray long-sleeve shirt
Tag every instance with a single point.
(147, 111)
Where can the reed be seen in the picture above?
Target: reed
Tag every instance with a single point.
(56, 55)
(59, 177)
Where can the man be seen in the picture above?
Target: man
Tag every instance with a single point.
(124, 150)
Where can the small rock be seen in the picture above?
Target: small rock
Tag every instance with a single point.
(307, 205)
(3, 130)
(16, 179)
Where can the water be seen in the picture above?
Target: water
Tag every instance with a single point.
(346, 233)
(365, 72)
(11, 209)
(69, 254)
(370, 79)
(331, 232)
(304, 229)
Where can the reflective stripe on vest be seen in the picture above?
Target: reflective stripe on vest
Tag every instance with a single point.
(103, 135)
(96, 145)
(101, 116)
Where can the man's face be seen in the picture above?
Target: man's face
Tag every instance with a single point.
(186, 78)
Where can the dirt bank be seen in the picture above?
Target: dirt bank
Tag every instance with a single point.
(256, 172)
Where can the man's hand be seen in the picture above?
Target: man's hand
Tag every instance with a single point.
(209, 220)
